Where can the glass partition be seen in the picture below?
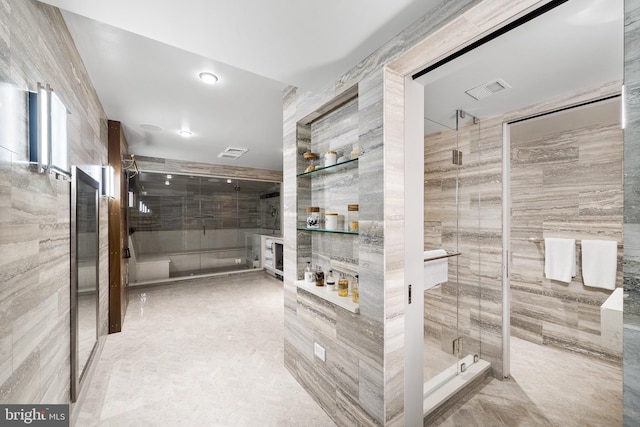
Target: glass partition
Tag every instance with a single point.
(451, 224)
(199, 225)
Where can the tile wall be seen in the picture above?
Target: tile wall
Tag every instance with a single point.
(35, 46)
(632, 214)
(564, 184)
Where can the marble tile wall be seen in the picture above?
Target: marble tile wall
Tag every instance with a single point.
(156, 164)
(381, 215)
(563, 184)
(352, 374)
(35, 46)
(632, 213)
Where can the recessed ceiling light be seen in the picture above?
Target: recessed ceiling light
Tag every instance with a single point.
(185, 133)
(208, 78)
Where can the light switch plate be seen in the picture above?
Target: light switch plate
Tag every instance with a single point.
(318, 350)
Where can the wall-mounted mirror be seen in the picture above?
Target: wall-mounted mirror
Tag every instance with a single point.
(84, 275)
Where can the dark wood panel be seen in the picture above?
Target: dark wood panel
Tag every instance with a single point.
(118, 265)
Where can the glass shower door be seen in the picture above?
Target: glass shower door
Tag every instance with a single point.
(451, 327)
(467, 265)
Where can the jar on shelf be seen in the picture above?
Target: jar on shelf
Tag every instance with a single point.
(331, 221)
(330, 158)
(309, 275)
(343, 286)
(313, 217)
(355, 290)
(312, 161)
(353, 218)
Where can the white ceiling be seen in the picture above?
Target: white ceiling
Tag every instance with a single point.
(144, 56)
(575, 46)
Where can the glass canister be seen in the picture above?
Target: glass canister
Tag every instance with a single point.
(313, 217)
(331, 221)
(330, 158)
(352, 218)
(312, 160)
(343, 286)
(355, 290)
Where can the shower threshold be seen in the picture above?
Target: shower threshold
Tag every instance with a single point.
(444, 386)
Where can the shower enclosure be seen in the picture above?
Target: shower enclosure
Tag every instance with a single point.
(452, 221)
(199, 225)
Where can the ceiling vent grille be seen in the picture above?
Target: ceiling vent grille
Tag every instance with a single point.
(232, 153)
(489, 88)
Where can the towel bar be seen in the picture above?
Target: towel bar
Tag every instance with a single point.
(448, 255)
(578, 242)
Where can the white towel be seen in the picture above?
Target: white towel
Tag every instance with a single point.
(599, 263)
(559, 259)
(437, 271)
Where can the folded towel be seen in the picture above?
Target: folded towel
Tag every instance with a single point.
(559, 259)
(599, 263)
(437, 271)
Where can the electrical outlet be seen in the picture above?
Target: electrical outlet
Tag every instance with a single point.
(318, 350)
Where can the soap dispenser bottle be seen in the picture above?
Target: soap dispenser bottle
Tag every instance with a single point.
(319, 276)
(331, 281)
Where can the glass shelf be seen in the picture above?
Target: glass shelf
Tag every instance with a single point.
(321, 230)
(330, 169)
(331, 296)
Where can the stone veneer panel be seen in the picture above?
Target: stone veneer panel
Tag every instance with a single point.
(631, 264)
(450, 25)
(156, 164)
(35, 46)
(566, 184)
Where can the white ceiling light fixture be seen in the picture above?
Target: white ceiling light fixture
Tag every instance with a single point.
(185, 133)
(208, 78)
(233, 153)
(151, 127)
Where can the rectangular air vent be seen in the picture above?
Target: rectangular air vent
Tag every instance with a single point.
(232, 153)
(486, 89)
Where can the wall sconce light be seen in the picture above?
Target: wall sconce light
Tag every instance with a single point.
(131, 200)
(143, 208)
(48, 132)
(108, 184)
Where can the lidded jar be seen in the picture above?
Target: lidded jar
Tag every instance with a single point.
(331, 221)
(312, 161)
(330, 158)
(353, 218)
(313, 217)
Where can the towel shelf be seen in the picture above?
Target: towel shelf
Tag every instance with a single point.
(448, 255)
(578, 242)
